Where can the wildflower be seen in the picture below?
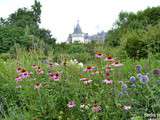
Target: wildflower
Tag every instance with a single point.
(18, 78)
(18, 86)
(55, 76)
(89, 69)
(117, 64)
(109, 58)
(132, 79)
(37, 86)
(139, 75)
(80, 64)
(108, 68)
(127, 107)
(75, 61)
(40, 71)
(124, 88)
(120, 94)
(144, 79)
(50, 65)
(156, 72)
(84, 106)
(108, 81)
(34, 66)
(19, 69)
(71, 104)
(120, 82)
(83, 79)
(138, 68)
(99, 55)
(25, 74)
(96, 108)
(86, 82)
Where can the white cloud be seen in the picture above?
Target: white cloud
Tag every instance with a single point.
(60, 16)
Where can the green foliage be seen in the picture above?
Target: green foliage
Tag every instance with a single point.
(137, 32)
(22, 27)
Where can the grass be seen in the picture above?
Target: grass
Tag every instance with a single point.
(49, 102)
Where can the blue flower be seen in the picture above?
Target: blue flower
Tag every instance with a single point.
(139, 75)
(138, 68)
(124, 88)
(144, 79)
(132, 79)
(120, 94)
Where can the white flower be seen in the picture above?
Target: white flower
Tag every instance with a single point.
(80, 64)
(127, 107)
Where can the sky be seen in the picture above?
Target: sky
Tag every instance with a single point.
(60, 16)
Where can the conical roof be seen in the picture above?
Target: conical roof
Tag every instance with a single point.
(77, 29)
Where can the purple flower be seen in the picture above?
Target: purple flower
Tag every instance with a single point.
(71, 104)
(132, 79)
(120, 94)
(124, 88)
(144, 79)
(138, 68)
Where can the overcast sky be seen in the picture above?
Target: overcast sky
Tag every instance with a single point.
(60, 16)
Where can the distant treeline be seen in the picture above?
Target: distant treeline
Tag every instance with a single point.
(22, 28)
(137, 33)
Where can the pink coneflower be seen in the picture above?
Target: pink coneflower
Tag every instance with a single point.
(96, 108)
(109, 58)
(50, 65)
(108, 81)
(25, 74)
(71, 104)
(18, 70)
(108, 68)
(37, 86)
(89, 69)
(83, 79)
(40, 71)
(117, 64)
(55, 76)
(18, 78)
(34, 66)
(99, 55)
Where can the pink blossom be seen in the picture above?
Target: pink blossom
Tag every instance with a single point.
(117, 64)
(55, 76)
(89, 69)
(99, 55)
(18, 78)
(96, 108)
(71, 104)
(108, 81)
